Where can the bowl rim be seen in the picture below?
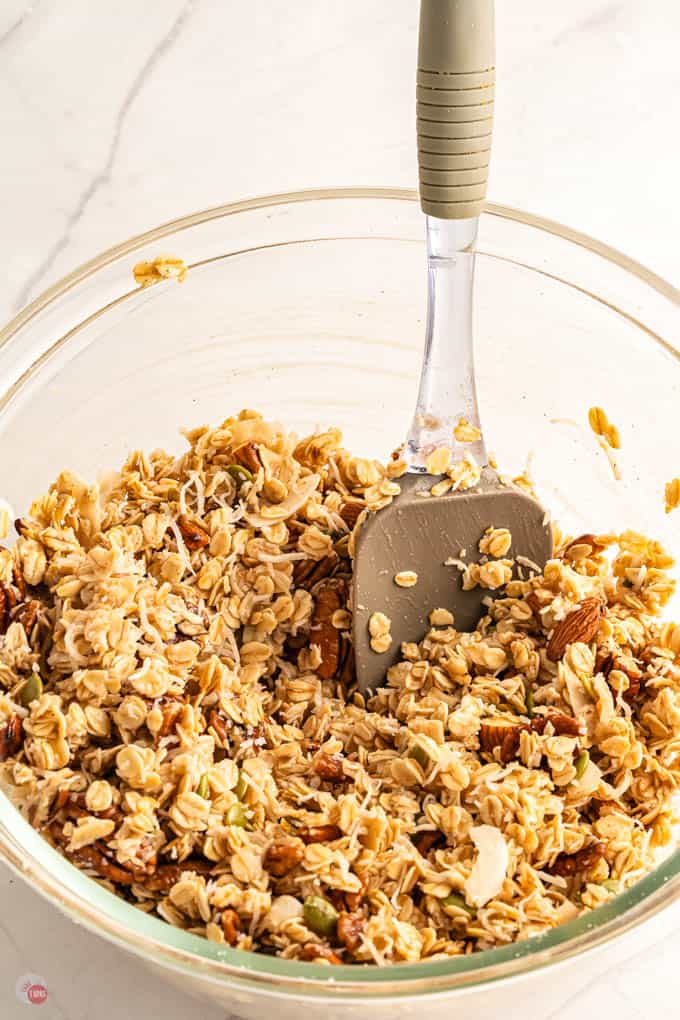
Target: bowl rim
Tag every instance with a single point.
(546, 225)
(150, 938)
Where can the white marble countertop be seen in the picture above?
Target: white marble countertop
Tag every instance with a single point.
(116, 117)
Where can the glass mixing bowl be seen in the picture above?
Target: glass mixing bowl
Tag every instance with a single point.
(310, 307)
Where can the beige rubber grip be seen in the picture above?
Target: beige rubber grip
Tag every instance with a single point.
(454, 108)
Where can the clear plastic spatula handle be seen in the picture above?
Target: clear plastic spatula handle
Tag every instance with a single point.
(447, 392)
(455, 100)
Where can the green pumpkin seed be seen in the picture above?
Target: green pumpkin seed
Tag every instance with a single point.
(241, 787)
(581, 763)
(420, 756)
(588, 687)
(529, 698)
(31, 690)
(240, 474)
(320, 916)
(204, 787)
(237, 814)
(455, 899)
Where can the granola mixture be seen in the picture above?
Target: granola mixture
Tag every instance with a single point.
(177, 712)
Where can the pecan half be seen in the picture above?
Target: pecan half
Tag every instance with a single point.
(355, 899)
(350, 927)
(231, 926)
(171, 710)
(281, 858)
(195, 537)
(329, 767)
(165, 877)
(631, 694)
(323, 633)
(625, 664)
(98, 858)
(592, 547)
(510, 746)
(505, 734)
(94, 858)
(538, 599)
(337, 898)
(319, 833)
(219, 723)
(61, 798)
(315, 951)
(307, 573)
(583, 860)
(27, 615)
(563, 725)
(428, 840)
(351, 510)
(500, 733)
(8, 600)
(10, 737)
(18, 575)
(581, 624)
(246, 454)
(75, 806)
(346, 902)
(347, 672)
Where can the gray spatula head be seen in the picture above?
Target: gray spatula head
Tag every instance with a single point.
(420, 533)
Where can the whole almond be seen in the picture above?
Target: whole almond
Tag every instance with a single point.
(582, 624)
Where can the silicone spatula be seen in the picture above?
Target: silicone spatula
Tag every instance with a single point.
(419, 531)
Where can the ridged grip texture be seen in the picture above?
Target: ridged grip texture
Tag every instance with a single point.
(454, 108)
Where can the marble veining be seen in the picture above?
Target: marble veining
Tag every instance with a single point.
(103, 176)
